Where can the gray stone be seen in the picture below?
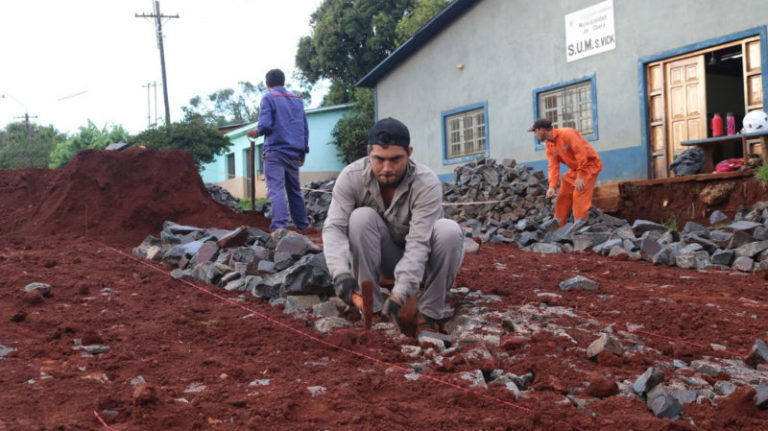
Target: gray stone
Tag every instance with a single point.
(743, 263)
(522, 381)
(326, 325)
(690, 249)
(751, 249)
(647, 381)
(758, 354)
(582, 242)
(550, 225)
(706, 244)
(177, 229)
(266, 266)
(602, 344)
(94, 349)
(617, 251)
(664, 257)
(739, 238)
(721, 238)
(545, 248)
(325, 309)
(239, 284)
(761, 396)
(579, 282)
(44, 288)
(299, 303)
(183, 274)
(649, 247)
(662, 404)
(717, 217)
(641, 226)
(760, 233)
(604, 247)
(142, 249)
(208, 272)
(295, 245)
(155, 253)
(308, 276)
(683, 395)
(475, 379)
(702, 260)
(470, 246)
(724, 387)
(669, 237)
(5, 351)
(527, 239)
(692, 226)
(744, 226)
(722, 257)
(269, 287)
(685, 261)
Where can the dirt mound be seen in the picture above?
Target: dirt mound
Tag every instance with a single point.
(123, 196)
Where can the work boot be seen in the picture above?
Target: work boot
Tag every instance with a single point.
(425, 323)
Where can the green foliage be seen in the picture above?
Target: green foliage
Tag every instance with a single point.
(22, 148)
(349, 38)
(202, 141)
(88, 137)
(350, 135)
(226, 106)
(761, 175)
(338, 93)
(246, 203)
(422, 12)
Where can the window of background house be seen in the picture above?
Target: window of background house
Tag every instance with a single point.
(465, 135)
(571, 104)
(231, 165)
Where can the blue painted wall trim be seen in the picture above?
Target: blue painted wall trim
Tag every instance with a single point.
(446, 160)
(643, 79)
(595, 135)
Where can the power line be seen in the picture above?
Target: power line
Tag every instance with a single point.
(159, 29)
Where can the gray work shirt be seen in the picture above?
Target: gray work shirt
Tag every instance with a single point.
(415, 207)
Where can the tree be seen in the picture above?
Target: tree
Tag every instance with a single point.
(202, 141)
(226, 106)
(422, 12)
(350, 134)
(22, 148)
(88, 137)
(349, 38)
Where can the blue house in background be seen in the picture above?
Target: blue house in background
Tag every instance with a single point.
(230, 170)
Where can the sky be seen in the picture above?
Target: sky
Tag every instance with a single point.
(66, 62)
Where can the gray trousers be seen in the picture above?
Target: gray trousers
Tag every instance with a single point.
(374, 255)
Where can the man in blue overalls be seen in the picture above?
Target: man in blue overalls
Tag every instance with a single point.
(283, 124)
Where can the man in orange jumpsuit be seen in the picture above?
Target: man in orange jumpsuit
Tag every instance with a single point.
(566, 145)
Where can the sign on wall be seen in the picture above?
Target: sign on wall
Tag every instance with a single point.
(589, 31)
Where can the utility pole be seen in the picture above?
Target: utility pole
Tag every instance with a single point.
(159, 29)
(26, 118)
(149, 111)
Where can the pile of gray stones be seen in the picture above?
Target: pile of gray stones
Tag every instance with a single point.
(288, 269)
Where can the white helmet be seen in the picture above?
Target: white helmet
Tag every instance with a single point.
(755, 121)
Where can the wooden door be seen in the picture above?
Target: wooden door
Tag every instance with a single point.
(686, 103)
(659, 164)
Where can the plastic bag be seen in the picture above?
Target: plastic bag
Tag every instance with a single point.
(729, 165)
(689, 162)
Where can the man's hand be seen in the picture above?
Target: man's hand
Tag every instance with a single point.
(391, 309)
(344, 285)
(579, 184)
(253, 134)
(550, 193)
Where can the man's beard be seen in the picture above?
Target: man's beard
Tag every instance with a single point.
(391, 184)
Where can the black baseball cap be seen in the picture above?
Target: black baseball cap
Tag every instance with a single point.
(388, 132)
(539, 123)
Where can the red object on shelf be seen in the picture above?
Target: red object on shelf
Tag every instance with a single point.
(730, 124)
(717, 125)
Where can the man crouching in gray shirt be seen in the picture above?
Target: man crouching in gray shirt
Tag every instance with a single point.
(385, 221)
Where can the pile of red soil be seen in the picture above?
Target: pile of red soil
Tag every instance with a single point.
(119, 197)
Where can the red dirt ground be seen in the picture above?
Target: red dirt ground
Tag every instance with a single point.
(74, 229)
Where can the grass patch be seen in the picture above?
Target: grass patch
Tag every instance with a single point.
(246, 203)
(761, 175)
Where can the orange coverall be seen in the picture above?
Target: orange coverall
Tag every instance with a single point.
(570, 148)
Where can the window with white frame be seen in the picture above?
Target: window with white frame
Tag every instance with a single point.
(465, 133)
(569, 106)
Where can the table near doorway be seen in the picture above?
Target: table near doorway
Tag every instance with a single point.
(751, 143)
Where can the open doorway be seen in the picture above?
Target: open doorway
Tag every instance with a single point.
(685, 92)
(724, 70)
